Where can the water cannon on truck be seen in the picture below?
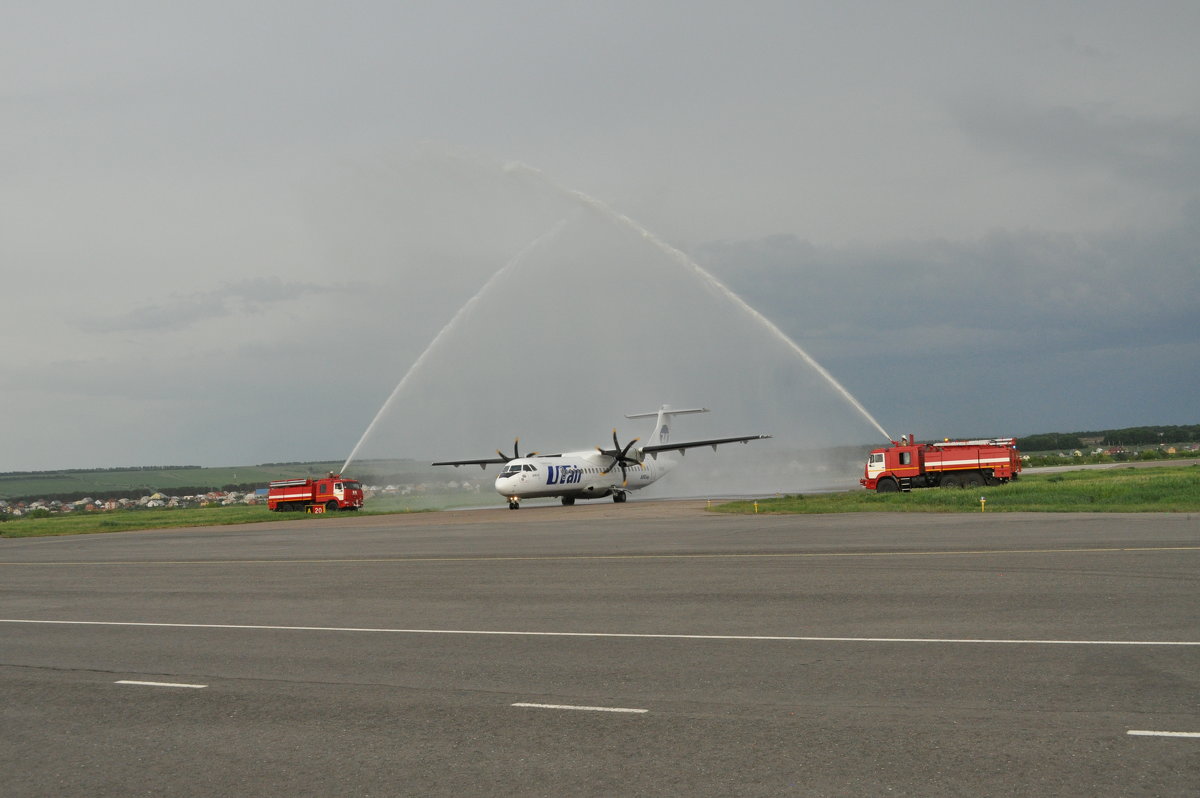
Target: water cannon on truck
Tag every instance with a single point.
(907, 464)
(331, 493)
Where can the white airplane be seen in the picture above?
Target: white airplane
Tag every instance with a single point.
(593, 475)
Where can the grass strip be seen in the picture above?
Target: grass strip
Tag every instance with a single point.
(85, 523)
(1165, 489)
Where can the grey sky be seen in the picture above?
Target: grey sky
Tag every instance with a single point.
(228, 229)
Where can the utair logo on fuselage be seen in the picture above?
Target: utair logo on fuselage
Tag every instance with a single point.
(594, 474)
(563, 475)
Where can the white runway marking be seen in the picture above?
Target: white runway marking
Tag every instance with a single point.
(582, 709)
(1141, 733)
(161, 684)
(628, 635)
(817, 555)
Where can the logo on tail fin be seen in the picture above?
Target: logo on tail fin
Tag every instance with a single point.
(662, 417)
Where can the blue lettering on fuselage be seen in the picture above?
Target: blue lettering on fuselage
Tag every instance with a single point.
(563, 475)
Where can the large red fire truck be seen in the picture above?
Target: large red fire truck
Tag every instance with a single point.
(949, 464)
(330, 493)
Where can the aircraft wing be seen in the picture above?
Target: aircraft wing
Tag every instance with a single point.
(713, 442)
(483, 463)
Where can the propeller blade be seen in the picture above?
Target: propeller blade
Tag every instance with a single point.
(516, 452)
(620, 456)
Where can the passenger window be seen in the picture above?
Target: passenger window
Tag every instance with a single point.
(905, 458)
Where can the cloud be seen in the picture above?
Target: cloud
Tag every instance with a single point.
(1006, 291)
(205, 205)
(1157, 151)
(182, 311)
(1012, 333)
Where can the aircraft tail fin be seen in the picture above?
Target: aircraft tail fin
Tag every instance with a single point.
(662, 424)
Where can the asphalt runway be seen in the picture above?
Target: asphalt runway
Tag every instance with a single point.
(649, 648)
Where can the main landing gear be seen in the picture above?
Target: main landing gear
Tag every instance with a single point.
(619, 496)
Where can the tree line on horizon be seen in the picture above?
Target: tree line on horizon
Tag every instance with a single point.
(1129, 436)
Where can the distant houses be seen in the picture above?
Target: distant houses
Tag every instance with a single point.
(153, 500)
(223, 498)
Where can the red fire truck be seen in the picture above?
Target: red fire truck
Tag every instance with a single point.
(330, 493)
(949, 464)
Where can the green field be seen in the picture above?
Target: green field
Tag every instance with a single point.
(101, 483)
(1161, 489)
(82, 523)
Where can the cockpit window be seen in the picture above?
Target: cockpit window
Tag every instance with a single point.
(509, 470)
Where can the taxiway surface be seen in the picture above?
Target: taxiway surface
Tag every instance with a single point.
(649, 648)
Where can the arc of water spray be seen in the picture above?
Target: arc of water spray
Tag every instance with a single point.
(463, 311)
(682, 259)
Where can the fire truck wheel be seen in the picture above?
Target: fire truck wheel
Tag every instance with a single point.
(331, 507)
(952, 481)
(973, 481)
(887, 485)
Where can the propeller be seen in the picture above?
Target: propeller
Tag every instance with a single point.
(516, 452)
(620, 457)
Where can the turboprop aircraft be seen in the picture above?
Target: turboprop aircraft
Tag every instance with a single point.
(594, 474)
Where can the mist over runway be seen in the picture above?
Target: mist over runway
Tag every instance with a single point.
(573, 315)
(603, 649)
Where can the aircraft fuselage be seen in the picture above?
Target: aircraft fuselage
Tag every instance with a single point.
(595, 474)
(575, 475)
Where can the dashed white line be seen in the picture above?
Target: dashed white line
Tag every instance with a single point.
(1145, 733)
(583, 709)
(161, 684)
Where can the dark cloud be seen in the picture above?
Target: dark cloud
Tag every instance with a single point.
(1039, 329)
(1060, 291)
(1158, 151)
